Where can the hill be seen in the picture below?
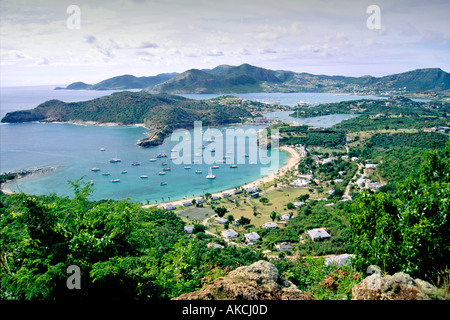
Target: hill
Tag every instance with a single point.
(122, 82)
(163, 113)
(248, 78)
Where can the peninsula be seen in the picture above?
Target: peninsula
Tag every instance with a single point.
(160, 113)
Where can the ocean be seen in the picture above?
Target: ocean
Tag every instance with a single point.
(75, 150)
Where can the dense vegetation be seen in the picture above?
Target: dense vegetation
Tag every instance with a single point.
(410, 230)
(248, 78)
(123, 250)
(419, 140)
(135, 107)
(366, 122)
(384, 107)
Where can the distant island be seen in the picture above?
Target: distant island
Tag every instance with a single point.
(123, 82)
(225, 79)
(161, 113)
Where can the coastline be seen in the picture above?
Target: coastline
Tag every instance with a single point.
(291, 163)
(24, 174)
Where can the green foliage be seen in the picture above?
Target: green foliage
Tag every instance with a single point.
(221, 211)
(419, 140)
(410, 230)
(323, 282)
(322, 138)
(123, 250)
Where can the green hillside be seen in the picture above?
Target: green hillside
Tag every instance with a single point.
(248, 78)
(159, 112)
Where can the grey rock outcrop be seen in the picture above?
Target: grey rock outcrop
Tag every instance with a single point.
(399, 286)
(259, 281)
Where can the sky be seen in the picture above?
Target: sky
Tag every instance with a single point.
(44, 43)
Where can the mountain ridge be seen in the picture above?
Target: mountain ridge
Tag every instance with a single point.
(247, 78)
(225, 79)
(122, 82)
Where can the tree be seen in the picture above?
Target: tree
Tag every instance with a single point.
(409, 230)
(273, 215)
(221, 211)
(243, 220)
(264, 200)
(290, 205)
(198, 228)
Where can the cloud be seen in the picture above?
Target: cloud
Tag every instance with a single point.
(147, 45)
(90, 39)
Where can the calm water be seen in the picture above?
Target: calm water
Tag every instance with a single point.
(75, 150)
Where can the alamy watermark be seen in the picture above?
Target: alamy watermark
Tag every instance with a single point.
(373, 22)
(74, 20)
(74, 280)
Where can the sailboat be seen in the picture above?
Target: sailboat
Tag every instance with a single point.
(210, 175)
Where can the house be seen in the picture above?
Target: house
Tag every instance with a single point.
(300, 183)
(201, 200)
(237, 191)
(214, 245)
(169, 206)
(305, 176)
(284, 246)
(299, 204)
(255, 195)
(270, 225)
(253, 189)
(186, 203)
(252, 237)
(221, 220)
(286, 217)
(214, 198)
(226, 195)
(317, 234)
(355, 159)
(344, 157)
(229, 234)
(188, 229)
(371, 165)
(338, 180)
(339, 260)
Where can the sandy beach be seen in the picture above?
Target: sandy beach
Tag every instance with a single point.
(292, 161)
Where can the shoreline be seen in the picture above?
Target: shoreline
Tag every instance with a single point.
(21, 174)
(291, 162)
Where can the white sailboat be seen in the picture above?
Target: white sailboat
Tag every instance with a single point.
(210, 175)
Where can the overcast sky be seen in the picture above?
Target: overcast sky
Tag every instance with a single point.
(147, 37)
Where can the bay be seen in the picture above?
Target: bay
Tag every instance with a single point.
(75, 150)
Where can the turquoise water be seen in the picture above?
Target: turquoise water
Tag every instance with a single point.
(75, 150)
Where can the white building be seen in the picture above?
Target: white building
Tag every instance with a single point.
(270, 225)
(229, 234)
(299, 204)
(339, 260)
(169, 206)
(287, 216)
(253, 189)
(252, 237)
(284, 246)
(188, 229)
(300, 183)
(221, 220)
(316, 234)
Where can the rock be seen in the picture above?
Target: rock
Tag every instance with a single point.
(399, 286)
(259, 281)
